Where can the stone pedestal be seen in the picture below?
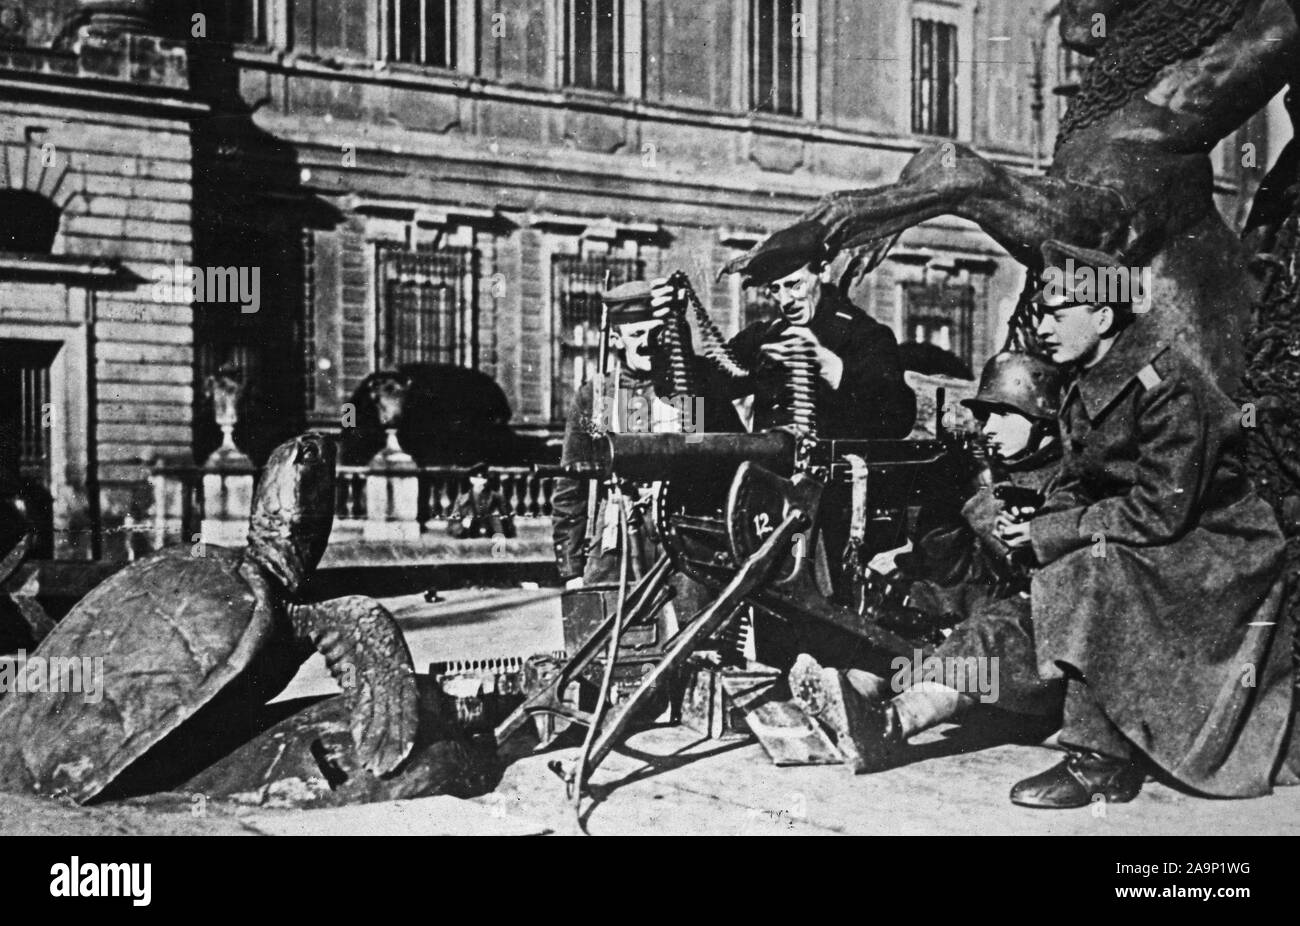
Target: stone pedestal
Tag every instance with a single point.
(227, 495)
(392, 495)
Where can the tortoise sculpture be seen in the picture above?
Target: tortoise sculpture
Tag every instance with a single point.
(195, 642)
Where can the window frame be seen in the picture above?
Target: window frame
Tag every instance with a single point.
(935, 94)
(957, 13)
(461, 42)
(807, 55)
(962, 315)
(390, 33)
(464, 346)
(559, 398)
(628, 58)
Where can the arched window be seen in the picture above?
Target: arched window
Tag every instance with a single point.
(29, 222)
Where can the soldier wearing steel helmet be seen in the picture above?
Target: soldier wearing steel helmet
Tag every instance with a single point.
(956, 568)
(963, 575)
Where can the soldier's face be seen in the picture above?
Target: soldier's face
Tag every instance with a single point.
(1008, 432)
(1073, 333)
(477, 483)
(797, 294)
(633, 342)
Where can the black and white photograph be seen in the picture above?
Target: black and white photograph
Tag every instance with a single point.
(650, 417)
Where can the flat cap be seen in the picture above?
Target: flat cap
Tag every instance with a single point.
(633, 291)
(628, 303)
(781, 254)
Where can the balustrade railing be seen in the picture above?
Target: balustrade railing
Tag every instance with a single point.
(187, 507)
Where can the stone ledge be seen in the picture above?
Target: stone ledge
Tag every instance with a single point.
(138, 59)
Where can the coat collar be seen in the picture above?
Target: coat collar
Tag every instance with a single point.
(829, 306)
(833, 303)
(626, 379)
(1035, 459)
(1134, 349)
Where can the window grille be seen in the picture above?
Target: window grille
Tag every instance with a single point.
(576, 284)
(934, 78)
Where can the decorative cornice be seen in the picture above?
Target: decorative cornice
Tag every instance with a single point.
(475, 87)
(99, 93)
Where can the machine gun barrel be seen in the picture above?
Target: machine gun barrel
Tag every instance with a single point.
(647, 457)
(573, 471)
(644, 457)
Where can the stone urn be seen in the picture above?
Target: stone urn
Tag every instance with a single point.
(228, 472)
(225, 389)
(120, 15)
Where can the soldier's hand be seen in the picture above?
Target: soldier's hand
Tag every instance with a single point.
(662, 296)
(1015, 534)
(789, 345)
(575, 582)
(830, 366)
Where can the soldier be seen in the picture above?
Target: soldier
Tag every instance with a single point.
(480, 512)
(1159, 592)
(954, 569)
(964, 571)
(628, 402)
(861, 392)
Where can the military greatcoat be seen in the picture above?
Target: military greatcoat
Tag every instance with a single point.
(1161, 572)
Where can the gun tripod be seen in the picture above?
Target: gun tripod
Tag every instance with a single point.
(650, 594)
(749, 537)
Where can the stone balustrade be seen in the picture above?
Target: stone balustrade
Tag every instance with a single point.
(208, 503)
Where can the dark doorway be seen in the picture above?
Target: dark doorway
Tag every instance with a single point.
(27, 415)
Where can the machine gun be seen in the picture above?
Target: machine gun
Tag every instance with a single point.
(757, 519)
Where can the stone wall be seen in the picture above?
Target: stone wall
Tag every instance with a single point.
(114, 155)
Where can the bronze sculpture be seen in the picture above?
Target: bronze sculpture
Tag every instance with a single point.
(1131, 173)
(198, 640)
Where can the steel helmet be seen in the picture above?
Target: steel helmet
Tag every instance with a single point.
(1027, 384)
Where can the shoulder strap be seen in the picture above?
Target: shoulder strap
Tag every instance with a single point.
(858, 519)
(1148, 377)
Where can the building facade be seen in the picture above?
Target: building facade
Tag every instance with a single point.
(96, 374)
(454, 181)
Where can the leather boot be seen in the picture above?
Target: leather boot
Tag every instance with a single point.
(866, 729)
(1078, 780)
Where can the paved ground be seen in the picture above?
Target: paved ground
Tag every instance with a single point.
(666, 780)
